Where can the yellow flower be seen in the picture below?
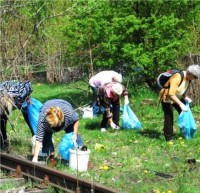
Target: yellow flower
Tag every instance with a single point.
(99, 147)
(169, 191)
(103, 167)
(170, 143)
(180, 138)
(145, 171)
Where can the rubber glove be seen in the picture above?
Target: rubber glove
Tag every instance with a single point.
(113, 125)
(183, 107)
(189, 100)
(74, 137)
(126, 101)
(117, 127)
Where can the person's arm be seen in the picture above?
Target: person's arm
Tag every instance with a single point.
(39, 138)
(76, 126)
(125, 93)
(36, 151)
(174, 84)
(175, 99)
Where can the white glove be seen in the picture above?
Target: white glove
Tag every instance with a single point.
(35, 160)
(74, 137)
(126, 101)
(114, 126)
(189, 100)
(117, 127)
(183, 107)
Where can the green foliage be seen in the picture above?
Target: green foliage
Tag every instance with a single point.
(122, 35)
(131, 157)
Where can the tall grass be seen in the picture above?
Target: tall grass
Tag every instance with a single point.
(135, 160)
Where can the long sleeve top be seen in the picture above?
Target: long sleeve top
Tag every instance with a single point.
(105, 97)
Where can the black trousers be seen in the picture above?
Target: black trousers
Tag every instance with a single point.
(47, 144)
(3, 134)
(4, 120)
(115, 109)
(169, 118)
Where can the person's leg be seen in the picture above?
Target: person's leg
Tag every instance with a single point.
(104, 121)
(168, 121)
(3, 120)
(116, 111)
(95, 107)
(3, 133)
(47, 145)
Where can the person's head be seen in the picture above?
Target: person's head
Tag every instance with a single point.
(117, 78)
(193, 72)
(54, 116)
(117, 89)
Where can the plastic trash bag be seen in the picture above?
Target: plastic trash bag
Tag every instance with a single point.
(129, 119)
(67, 143)
(33, 112)
(187, 123)
(87, 112)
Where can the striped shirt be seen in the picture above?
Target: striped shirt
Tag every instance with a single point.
(70, 116)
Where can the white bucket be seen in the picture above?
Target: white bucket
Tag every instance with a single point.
(83, 159)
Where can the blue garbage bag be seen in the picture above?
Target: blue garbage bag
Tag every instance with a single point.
(187, 123)
(33, 111)
(129, 119)
(67, 143)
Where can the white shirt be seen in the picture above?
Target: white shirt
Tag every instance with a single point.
(104, 77)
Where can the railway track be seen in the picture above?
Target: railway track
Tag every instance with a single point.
(48, 176)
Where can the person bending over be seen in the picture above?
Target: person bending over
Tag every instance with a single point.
(109, 96)
(55, 115)
(175, 95)
(100, 79)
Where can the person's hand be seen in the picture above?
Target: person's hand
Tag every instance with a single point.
(126, 101)
(183, 107)
(74, 137)
(35, 160)
(114, 126)
(189, 100)
(117, 127)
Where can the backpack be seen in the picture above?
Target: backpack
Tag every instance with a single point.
(165, 76)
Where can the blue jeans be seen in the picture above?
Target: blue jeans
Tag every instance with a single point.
(95, 108)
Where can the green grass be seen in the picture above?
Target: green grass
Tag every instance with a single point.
(133, 156)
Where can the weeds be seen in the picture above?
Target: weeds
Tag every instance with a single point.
(132, 161)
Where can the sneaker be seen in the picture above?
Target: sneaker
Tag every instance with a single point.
(103, 130)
